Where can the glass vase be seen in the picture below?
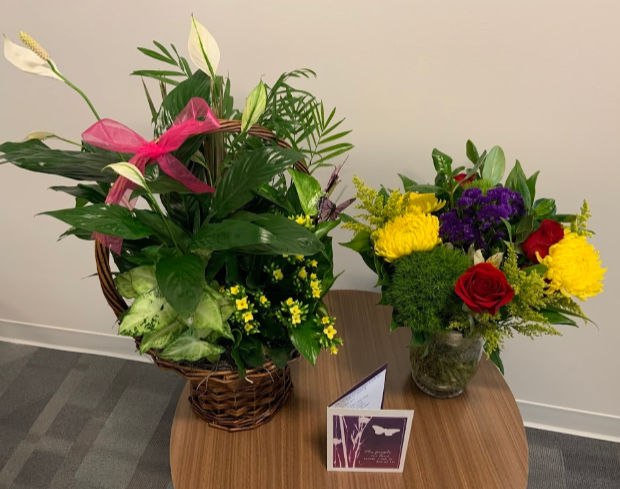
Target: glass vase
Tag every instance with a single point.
(444, 364)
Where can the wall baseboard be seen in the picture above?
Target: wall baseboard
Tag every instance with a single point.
(570, 421)
(535, 415)
(42, 335)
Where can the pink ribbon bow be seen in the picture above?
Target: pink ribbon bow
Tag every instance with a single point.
(196, 118)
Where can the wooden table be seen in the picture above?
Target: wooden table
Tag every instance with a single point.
(474, 441)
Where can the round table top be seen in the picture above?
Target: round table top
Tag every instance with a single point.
(476, 440)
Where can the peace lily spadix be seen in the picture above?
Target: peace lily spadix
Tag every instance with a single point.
(32, 59)
(35, 59)
(203, 49)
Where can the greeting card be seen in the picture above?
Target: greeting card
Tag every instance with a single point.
(361, 436)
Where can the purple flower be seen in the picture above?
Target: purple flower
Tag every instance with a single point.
(477, 218)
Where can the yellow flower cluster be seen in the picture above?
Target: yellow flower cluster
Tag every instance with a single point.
(574, 267)
(303, 220)
(405, 234)
(315, 286)
(381, 208)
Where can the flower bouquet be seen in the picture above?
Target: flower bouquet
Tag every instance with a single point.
(468, 261)
(218, 229)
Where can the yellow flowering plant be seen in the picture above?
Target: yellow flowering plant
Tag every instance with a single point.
(476, 253)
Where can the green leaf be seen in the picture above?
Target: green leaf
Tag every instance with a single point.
(91, 193)
(136, 281)
(531, 184)
(325, 227)
(110, 219)
(516, 181)
(494, 165)
(540, 269)
(161, 338)
(207, 318)
(35, 156)
(197, 85)
(155, 55)
(272, 195)
(496, 359)
(360, 242)
(181, 281)
(251, 351)
(149, 312)
(555, 317)
(472, 152)
(164, 227)
(255, 104)
(309, 191)
(305, 338)
(524, 228)
(260, 234)
(279, 356)
(248, 173)
(191, 349)
(544, 208)
(442, 162)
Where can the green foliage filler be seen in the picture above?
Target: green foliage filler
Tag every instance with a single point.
(422, 288)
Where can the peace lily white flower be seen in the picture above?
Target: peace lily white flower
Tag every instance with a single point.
(203, 49)
(31, 59)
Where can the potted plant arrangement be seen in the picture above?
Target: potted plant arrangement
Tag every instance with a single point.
(470, 260)
(218, 229)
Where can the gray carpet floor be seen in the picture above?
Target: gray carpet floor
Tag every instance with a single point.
(76, 421)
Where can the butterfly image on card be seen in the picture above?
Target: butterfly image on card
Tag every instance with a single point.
(380, 430)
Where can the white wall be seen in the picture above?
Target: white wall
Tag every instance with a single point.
(540, 78)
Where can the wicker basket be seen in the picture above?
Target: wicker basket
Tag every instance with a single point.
(218, 394)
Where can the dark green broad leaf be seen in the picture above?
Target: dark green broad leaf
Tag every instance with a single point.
(35, 156)
(472, 152)
(540, 269)
(280, 356)
(91, 193)
(494, 165)
(110, 219)
(251, 351)
(166, 229)
(412, 186)
(325, 227)
(181, 281)
(249, 172)
(496, 359)
(531, 184)
(543, 208)
(259, 234)
(516, 181)
(360, 242)
(272, 195)
(305, 339)
(555, 317)
(308, 190)
(197, 85)
(524, 228)
(189, 348)
(442, 162)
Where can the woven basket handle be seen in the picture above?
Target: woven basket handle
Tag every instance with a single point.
(102, 255)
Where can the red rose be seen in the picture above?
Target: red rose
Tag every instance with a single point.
(548, 233)
(461, 178)
(484, 288)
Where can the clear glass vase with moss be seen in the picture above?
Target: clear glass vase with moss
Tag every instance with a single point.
(421, 291)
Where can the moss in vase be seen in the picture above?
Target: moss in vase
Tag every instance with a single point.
(422, 288)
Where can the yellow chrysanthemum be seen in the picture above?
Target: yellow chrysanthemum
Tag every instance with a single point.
(574, 267)
(406, 234)
(422, 203)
